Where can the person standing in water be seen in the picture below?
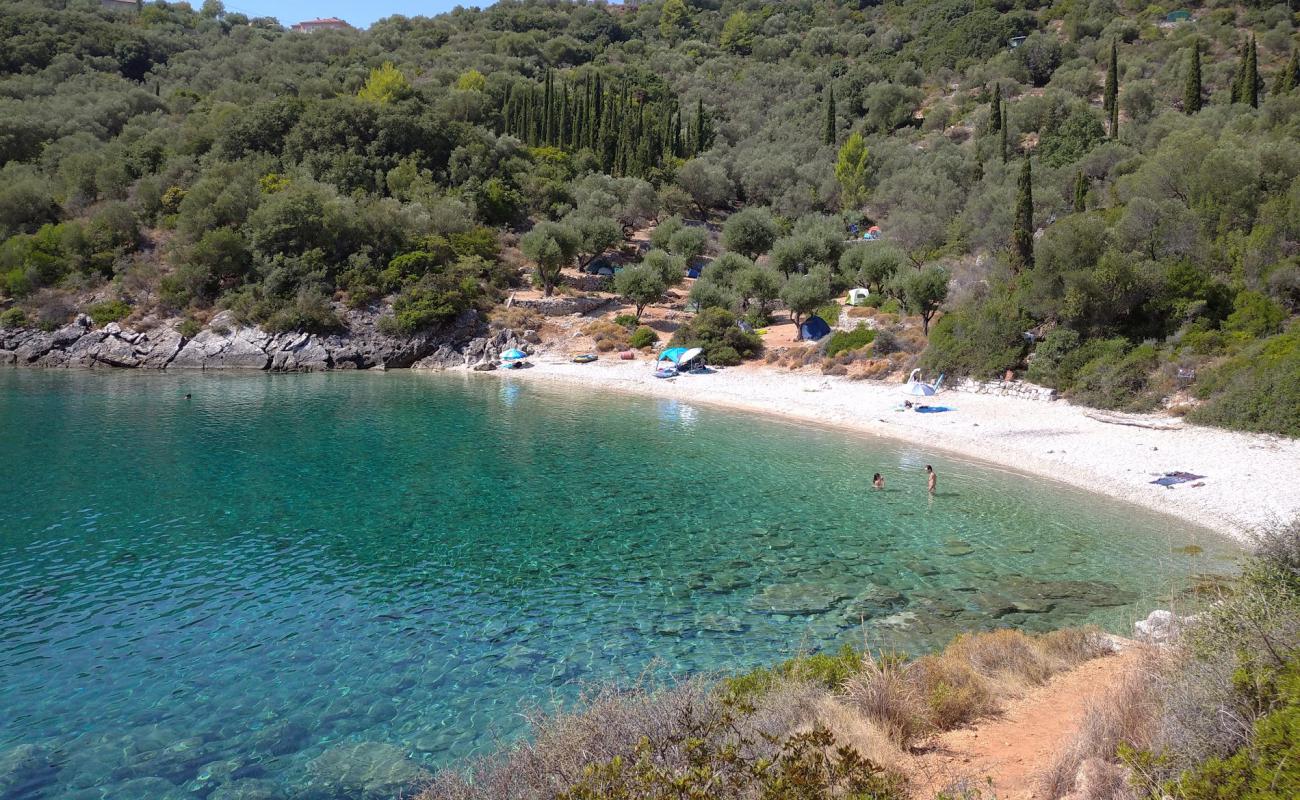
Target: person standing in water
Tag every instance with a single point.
(878, 481)
(932, 480)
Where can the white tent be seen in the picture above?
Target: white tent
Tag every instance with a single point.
(859, 296)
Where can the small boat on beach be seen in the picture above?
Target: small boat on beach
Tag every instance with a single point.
(585, 358)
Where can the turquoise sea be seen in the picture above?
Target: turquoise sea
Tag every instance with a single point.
(198, 591)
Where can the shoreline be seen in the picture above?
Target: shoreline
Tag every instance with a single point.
(1247, 475)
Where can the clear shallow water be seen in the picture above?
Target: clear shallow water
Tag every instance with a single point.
(226, 588)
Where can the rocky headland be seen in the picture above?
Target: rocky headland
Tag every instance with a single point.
(466, 342)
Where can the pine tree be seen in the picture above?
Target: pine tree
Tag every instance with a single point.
(1080, 192)
(1192, 91)
(1110, 101)
(828, 136)
(995, 109)
(1022, 231)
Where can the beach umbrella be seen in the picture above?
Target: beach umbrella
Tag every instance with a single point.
(689, 356)
(513, 354)
(918, 389)
(673, 354)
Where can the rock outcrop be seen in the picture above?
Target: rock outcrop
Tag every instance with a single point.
(465, 342)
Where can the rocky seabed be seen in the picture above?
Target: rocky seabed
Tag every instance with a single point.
(224, 344)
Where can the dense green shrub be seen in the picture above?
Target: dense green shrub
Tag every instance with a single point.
(844, 341)
(827, 669)
(715, 330)
(642, 337)
(13, 318)
(1258, 390)
(1118, 378)
(628, 321)
(108, 311)
(983, 341)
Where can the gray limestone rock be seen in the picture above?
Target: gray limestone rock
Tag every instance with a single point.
(363, 771)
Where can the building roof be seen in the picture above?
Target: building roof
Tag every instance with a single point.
(322, 22)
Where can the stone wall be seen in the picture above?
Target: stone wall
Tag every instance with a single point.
(1021, 389)
(561, 306)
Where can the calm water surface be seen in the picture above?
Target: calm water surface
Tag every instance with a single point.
(224, 589)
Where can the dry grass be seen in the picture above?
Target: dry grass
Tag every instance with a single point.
(517, 318)
(884, 694)
(954, 693)
(1085, 769)
(1007, 656)
(607, 335)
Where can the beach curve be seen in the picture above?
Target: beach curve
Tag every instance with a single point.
(1249, 479)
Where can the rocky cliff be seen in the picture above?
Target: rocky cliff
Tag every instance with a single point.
(224, 344)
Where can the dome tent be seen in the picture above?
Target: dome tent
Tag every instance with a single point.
(814, 328)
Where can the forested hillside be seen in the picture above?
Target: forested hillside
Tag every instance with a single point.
(1116, 181)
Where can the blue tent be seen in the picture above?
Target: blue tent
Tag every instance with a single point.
(680, 355)
(693, 272)
(814, 328)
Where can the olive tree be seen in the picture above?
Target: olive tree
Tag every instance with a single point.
(751, 231)
(922, 292)
(640, 284)
(551, 246)
(804, 294)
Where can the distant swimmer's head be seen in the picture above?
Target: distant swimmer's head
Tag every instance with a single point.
(929, 468)
(875, 477)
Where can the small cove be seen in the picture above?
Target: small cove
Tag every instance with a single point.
(286, 564)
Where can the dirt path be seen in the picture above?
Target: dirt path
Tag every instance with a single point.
(1016, 747)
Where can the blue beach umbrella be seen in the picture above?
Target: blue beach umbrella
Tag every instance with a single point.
(513, 354)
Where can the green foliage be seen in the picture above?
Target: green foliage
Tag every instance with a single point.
(807, 766)
(1117, 375)
(851, 171)
(1255, 315)
(640, 284)
(1258, 390)
(845, 341)
(670, 267)
(750, 231)
(628, 321)
(983, 341)
(551, 246)
(108, 311)
(189, 327)
(922, 292)
(872, 265)
(715, 330)
(386, 84)
(13, 318)
(642, 337)
(1022, 227)
(804, 294)
(688, 243)
(827, 669)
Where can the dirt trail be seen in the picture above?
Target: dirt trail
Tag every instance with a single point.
(1014, 748)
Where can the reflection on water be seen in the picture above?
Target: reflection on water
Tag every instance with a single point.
(289, 577)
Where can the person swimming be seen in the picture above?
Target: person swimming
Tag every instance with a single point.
(878, 481)
(932, 480)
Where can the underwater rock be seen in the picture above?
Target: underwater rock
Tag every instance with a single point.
(956, 548)
(363, 771)
(875, 601)
(23, 767)
(798, 599)
(248, 789)
(725, 582)
(147, 789)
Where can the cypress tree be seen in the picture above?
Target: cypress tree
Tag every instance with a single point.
(1110, 101)
(1250, 83)
(995, 108)
(1002, 133)
(701, 129)
(1285, 81)
(1080, 192)
(828, 135)
(1022, 230)
(1192, 91)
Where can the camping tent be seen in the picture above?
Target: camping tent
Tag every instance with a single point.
(859, 296)
(693, 272)
(814, 328)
